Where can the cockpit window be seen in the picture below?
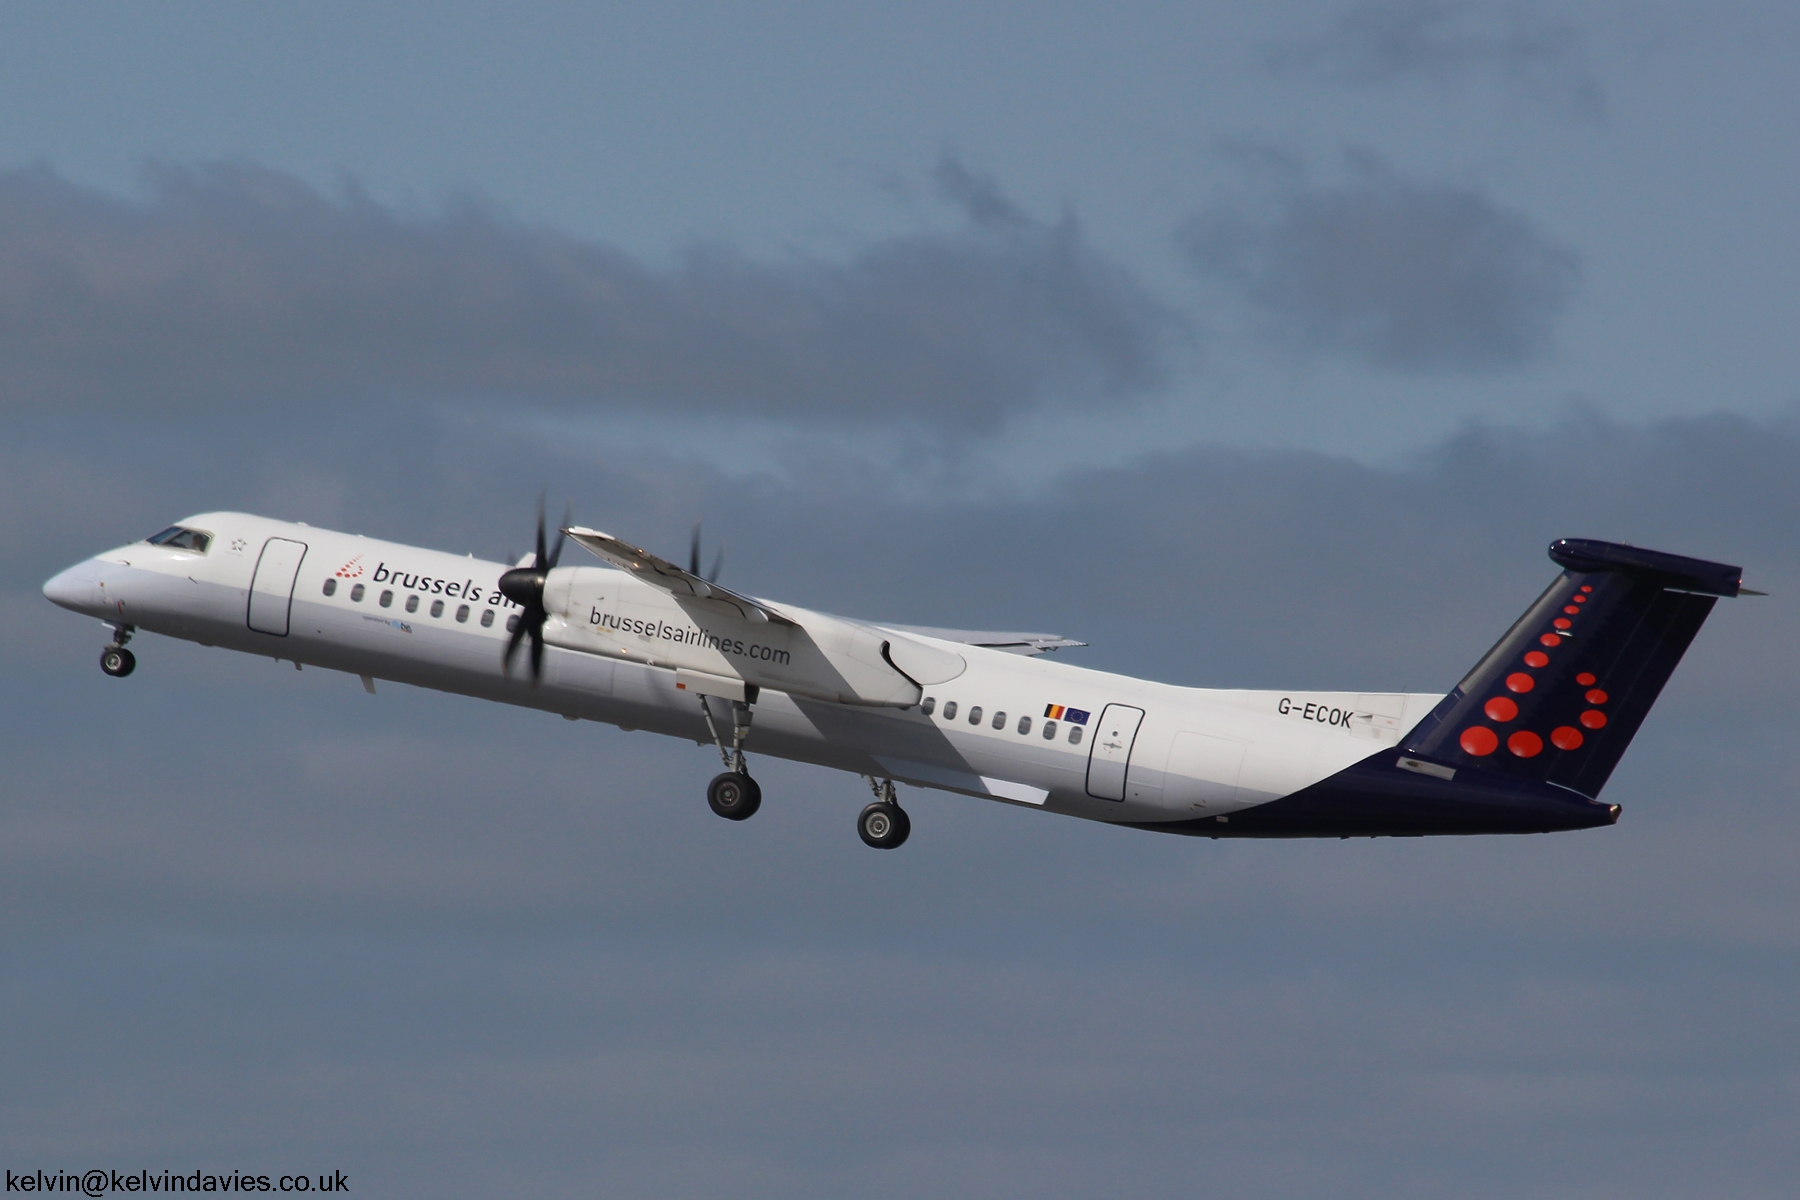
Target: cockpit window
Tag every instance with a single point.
(178, 537)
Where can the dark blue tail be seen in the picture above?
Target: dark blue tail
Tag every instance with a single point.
(1561, 695)
(1529, 737)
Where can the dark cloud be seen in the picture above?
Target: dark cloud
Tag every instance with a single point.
(255, 915)
(979, 196)
(1444, 44)
(232, 285)
(1406, 275)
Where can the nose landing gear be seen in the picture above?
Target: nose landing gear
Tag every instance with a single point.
(116, 660)
(884, 825)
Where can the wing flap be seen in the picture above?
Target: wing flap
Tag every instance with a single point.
(1011, 643)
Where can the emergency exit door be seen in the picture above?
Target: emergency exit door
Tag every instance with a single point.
(272, 587)
(1110, 752)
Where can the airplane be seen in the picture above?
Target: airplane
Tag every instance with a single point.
(1523, 744)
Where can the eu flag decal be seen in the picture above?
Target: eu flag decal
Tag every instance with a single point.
(1056, 712)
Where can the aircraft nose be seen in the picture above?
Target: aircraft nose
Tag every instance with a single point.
(73, 588)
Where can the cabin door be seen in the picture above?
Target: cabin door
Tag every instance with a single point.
(1109, 754)
(272, 588)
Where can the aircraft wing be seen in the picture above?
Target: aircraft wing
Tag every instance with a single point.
(1012, 643)
(660, 572)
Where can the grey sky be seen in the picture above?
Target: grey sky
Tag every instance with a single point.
(778, 133)
(905, 305)
(1404, 275)
(1450, 45)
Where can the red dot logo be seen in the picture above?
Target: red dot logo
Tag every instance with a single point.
(1593, 718)
(1561, 622)
(1537, 658)
(1596, 697)
(1581, 599)
(1480, 741)
(1549, 639)
(1587, 587)
(1586, 679)
(1500, 709)
(1566, 737)
(1525, 744)
(1519, 681)
(1570, 609)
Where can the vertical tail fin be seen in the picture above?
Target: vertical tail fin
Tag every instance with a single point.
(1561, 695)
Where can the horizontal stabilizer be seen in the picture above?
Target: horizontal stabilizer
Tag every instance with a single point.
(1673, 570)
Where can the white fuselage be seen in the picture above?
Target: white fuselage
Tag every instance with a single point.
(1193, 752)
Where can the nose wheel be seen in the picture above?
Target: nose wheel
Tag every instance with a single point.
(884, 825)
(116, 660)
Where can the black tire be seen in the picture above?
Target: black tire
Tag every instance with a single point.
(884, 826)
(117, 661)
(733, 796)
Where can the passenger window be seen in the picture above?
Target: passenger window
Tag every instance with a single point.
(512, 623)
(331, 587)
(356, 593)
(387, 598)
(412, 604)
(975, 715)
(1074, 735)
(1049, 731)
(999, 720)
(1025, 724)
(950, 711)
(930, 703)
(462, 614)
(487, 617)
(437, 608)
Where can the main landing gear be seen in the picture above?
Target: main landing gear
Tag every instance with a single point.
(733, 795)
(736, 797)
(884, 824)
(116, 660)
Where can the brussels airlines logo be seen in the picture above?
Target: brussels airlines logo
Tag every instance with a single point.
(352, 569)
(466, 589)
(688, 635)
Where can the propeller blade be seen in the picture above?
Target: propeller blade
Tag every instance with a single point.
(556, 551)
(718, 562)
(524, 586)
(694, 551)
(512, 647)
(539, 561)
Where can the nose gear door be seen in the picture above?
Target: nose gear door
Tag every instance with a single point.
(1110, 752)
(272, 588)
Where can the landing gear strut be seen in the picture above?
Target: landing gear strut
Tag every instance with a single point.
(733, 795)
(884, 824)
(116, 660)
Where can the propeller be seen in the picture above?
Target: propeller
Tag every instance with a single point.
(524, 586)
(694, 558)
